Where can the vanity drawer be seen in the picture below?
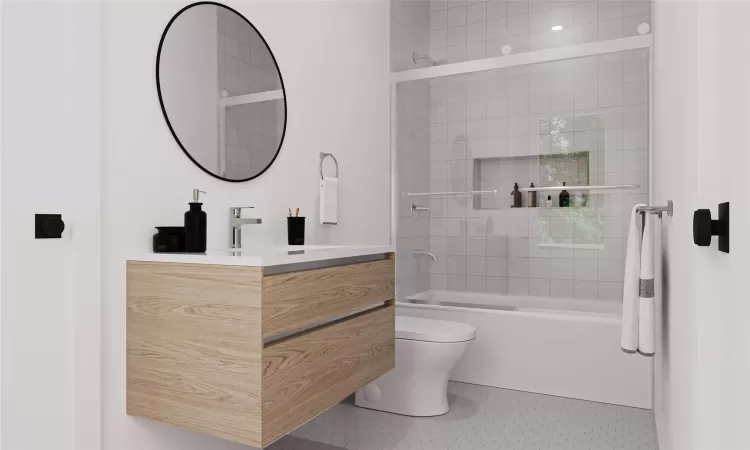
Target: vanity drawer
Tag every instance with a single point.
(306, 374)
(293, 301)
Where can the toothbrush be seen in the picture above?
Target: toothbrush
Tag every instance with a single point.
(290, 212)
(296, 214)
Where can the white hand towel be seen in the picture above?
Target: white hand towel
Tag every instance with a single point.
(646, 302)
(630, 300)
(329, 201)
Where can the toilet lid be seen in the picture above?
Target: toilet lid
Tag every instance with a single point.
(431, 330)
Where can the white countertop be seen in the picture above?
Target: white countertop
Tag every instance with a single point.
(268, 256)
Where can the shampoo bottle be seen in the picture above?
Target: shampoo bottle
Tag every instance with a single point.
(195, 225)
(516, 198)
(564, 198)
(531, 202)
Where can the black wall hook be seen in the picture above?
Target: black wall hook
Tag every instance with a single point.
(704, 228)
(48, 226)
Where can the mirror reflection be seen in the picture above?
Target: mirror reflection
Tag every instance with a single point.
(221, 92)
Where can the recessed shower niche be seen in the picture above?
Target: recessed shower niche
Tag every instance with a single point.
(552, 170)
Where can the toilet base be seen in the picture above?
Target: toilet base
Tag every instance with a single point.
(418, 385)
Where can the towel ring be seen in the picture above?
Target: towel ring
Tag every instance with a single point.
(322, 157)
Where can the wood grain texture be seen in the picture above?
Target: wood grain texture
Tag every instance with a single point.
(306, 374)
(194, 347)
(296, 300)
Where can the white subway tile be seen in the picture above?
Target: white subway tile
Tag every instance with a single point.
(439, 38)
(496, 266)
(562, 288)
(476, 246)
(585, 289)
(634, 160)
(634, 138)
(610, 270)
(518, 25)
(516, 7)
(456, 16)
(476, 129)
(456, 246)
(456, 53)
(438, 5)
(562, 269)
(609, 9)
(497, 285)
(457, 283)
(518, 247)
(518, 267)
(456, 264)
(518, 286)
(456, 131)
(610, 29)
(476, 50)
(497, 246)
(610, 291)
(476, 265)
(438, 132)
(438, 19)
(476, 283)
(456, 112)
(438, 281)
(540, 268)
(630, 25)
(477, 110)
(456, 91)
(457, 35)
(635, 93)
(497, 9)
(476, 12)
(540, 287)
(586, 12)
(455, 227)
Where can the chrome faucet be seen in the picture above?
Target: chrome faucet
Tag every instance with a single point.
(235, 224)
(422, 252)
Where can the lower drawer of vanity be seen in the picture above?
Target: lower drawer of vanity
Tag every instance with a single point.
(306, 374)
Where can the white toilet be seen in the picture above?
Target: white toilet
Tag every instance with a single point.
(426, 351)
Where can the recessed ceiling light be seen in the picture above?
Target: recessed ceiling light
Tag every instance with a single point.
(557, 28)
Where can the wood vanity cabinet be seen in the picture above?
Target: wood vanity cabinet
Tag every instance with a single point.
(248, 356)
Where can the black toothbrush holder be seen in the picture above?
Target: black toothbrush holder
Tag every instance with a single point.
(296, 230)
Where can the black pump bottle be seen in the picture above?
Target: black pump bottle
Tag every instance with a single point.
(195, 225)
(564, 198)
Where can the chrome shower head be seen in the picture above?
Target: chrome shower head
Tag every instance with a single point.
(416, 56)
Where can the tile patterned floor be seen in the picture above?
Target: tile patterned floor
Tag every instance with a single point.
(482, 418)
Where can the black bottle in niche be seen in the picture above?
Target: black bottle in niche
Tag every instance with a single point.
(516, 198)
(195, 225)
(564, 198)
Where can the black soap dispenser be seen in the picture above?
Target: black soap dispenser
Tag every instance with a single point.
(195, 225)
(516, 197)
(564, 198)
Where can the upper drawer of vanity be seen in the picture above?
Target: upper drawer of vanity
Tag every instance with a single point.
(296, 300)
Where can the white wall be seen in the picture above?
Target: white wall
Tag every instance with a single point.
(50, 288)
(702, 111)
(189, 82)
(334, 60)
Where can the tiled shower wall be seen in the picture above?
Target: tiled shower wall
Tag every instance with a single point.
(474, 29)
(596, 104)
(245, 66)
(410, 33)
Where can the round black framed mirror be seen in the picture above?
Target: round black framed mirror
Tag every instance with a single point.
(221, 91)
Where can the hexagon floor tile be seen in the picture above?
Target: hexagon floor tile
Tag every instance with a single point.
(482, 418)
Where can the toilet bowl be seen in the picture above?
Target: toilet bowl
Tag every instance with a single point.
(426, 351)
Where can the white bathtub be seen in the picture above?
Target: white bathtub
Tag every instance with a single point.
(568, 348)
